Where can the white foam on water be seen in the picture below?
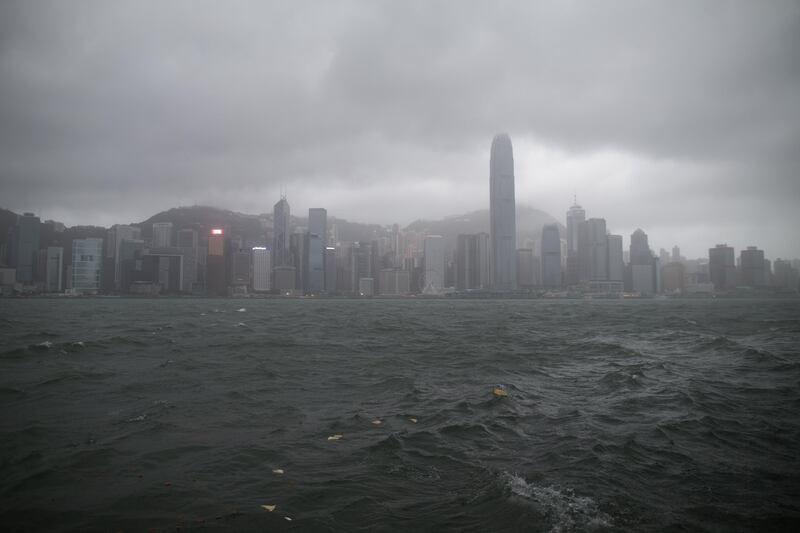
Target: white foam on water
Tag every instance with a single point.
(563, 509)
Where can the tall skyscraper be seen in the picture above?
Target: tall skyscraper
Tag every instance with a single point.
(722, 267)
(502, 212)
(116, 235)
(316, 242)
(592, 250)
(642, 264)
(575, 216)
(25, 246)
(616, 265)
(434, 265)
(216, 284)
(281, 219)
(551, 256)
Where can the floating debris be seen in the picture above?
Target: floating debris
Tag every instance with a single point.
(278, 471)
(412, 420)
(269, 508)
(500, 392)
(46, 345)
(377, 422)
(241, 310)
(335, 437)
(287, 518)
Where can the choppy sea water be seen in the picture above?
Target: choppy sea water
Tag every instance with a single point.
(166, 415)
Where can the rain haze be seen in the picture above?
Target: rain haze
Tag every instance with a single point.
(682, 118)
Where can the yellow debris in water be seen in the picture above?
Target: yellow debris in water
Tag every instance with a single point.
(335, 437)
(377, 422)
(500, 392)
(413, 420)
(287, 518)
(278, 471)
(269, 508)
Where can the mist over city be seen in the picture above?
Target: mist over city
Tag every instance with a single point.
(399, 266)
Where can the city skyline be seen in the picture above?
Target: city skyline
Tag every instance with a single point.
(692, 139)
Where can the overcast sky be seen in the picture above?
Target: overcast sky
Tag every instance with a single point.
(682, 118)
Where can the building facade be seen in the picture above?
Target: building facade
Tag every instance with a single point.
(502, 214)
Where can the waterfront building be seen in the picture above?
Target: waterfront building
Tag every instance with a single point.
(54, 266)
(111, 263)
(751, 262)
(87, 261)
(25, 247)
(330, 270)
(472, 261)
(616, 264)
(262, 269)
(502, 213)
(434, 265)
(722, 267)
(281, 220)
(643, 264)
(395, 281)
(216, 284)
(316, 243)
(575, 216)
(551, 256)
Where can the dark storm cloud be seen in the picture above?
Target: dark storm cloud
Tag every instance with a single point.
(145, 105)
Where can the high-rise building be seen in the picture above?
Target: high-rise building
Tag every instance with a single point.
(262, 269)
(551, 256)
(592, 250)
(785, 276)
(673, 276)
(87, 261)
(53, 268)
(162, 234)
(281, 219)
(188, 247)
(472, 261)
(502, 212)
(616, 265)
(316, 242)
(752, 267)
(434, 265)
(642, 264)
(24, 247)
(216, 284)
(116, 235)
(299, 258)
(575, 216)
(330, 270)
(722, 267)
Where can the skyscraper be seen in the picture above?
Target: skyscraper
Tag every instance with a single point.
(262, 270)
(551, 256)
(592, 250)
(575, 216)
(472, 261)
(316, 242)
(643, 265)
(502, 212)
(87, 260)
(25, 247)
(752, 266)
(722, 267)
(281, 220)
(216, 284)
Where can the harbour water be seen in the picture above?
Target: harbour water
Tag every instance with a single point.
(191, 414)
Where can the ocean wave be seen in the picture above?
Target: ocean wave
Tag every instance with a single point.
(563, 510)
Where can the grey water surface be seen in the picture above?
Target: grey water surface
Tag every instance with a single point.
(171, 414)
